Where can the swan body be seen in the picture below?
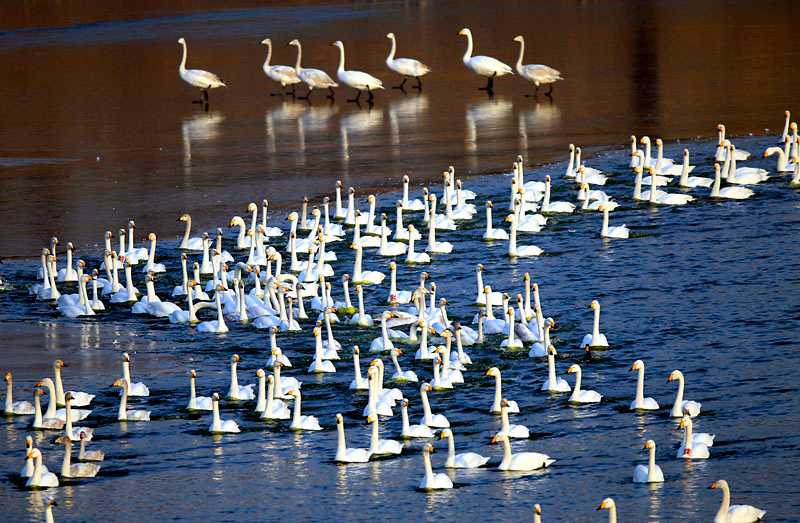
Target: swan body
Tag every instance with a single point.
(465, 460)
(283, 74)
(693, 446)
(313, 78)
(431, 481)
(521, 461)
(345, 454)
(76, 470)
(595, 339)
(728, 193)
(640, 402)
(620, 232)
(728, 513)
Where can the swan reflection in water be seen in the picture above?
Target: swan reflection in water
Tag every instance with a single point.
(199, 128)
(540, 119)
(313, 123)
(406, 113)
(360, 124)
(486, 115)
(279, 118)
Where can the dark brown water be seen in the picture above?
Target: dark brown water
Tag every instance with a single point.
(98, 128)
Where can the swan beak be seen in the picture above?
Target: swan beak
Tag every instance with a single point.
(633, 367)
(494, 440)
(669, 378)
(602, 506)
(713, 485)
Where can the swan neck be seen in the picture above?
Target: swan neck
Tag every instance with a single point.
(269, 55)
(216, 422)
(182, 67)
(604, 233)
(521, 53)
(651, 462)
(596, 328)
(468, 52)
(299, 56)
(551, 370)
(506, 452)
(123, 405)
(725, 505)
(498, 393)
(65, 465)
(393, 49)
(341, 59)
(640, 387)
(676, 408)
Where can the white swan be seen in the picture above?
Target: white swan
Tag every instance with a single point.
(413, 431)
(431, 481)
(413, 257)
(483, 65)
(383, 343)
(275, 408)
(781, 165)
(665, 198)
(381, 447)
(89, 455)
(596, 339)
(318, 365)
(496, 408)
(358, 80)
(428, 418)
(387, 248)
(557, 207)
(521, 461)
(41, 478)
(640, 402)
(609, 505)
(76, 470)
(235, 391)
(578, 395)
(134, 389)
(619, 232)
(728, 193)
(491, 233)
(300, 422)
(123, 414)
(15, 408)
(691, 181)
(681, 406)
(693, 446)
(345, 454)
(187, 243)
(79, 399)
(554, 383)
(744, 175)
(396, 297)
(512, 431)
(728, 513)
(197, 77)
(364, 277)
(197, 402)
(536, 73)
(400, 374)
(515, 251)
(313, 78)
(465, 460)
(405, 67)
(40, 422)
(358, 382)
(217, 326)
(283, 74)
(650, 473)
(218, 425)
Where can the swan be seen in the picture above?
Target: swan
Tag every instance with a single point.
(381, 447)
(722, 153)
(413, 257)
(609, 505)
(383, 343)
(399, 374)
(61, 414)
(513, 407)
(650, 473)
(691, 181)
(236, 392)
(68, 274)
(123, 414)
(465, 460)
(693, 446)
(220, 426)
(134, 389)
(523, 251)
(319, 366)
(283, 74)
(151, 265)
(39, 422)
(438, 421)
(41, 478)
(728, 193)
(578, 395)
(284, 385)
(396, 297)
(491, 233)
(358, 80)
(400, 230)
(244, 237)
(596, 339)
(557, 207)
(197, 402)
(483, 65)
(511, 342)
(431, 481)
(433, 245)
(218, 326)
(76, 470)
(512, 431)
(492, 325)
(413, 431)
(521, 461)
(665, 198)
(129, 293)
(300, 422)
(640, 402)
(536, 73)
(79, 399)
(728, 513)
(387, 248)
(15, 408)
(89, 455)
(313, 78)
(744, 175)
(554, 383)
(345, 454)
(358, 382)
(423, 353)
(539, 348)
(656, 163)
(74, 433)
(405, 67)
(364, 277)
(439, 382)
(197, 77)
(376, 404)
(187, 243)
(781, 165)
(481, 298)
(619, 232)
(275, 408)
(134, 254)
(28, 467)
(415, 205)
(681, 406)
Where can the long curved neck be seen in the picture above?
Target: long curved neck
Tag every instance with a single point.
(687, 434)
(468, 52)
(126, 372)
(426, 458)
(341, 59)
(59, 386)
(653, 186)
(357, 264)
(640, 386)
(676, 408)
(604, 233)
(612, 515)
(37, 409)
(269, 55)
(216, 422)
(37, 470)
(551, 370)
(341, 444)
(451, 449)
(51, 398)
(65, 465)
(521, 53)
(651, 463)
(404, 415)
(392, 50)
(506, 452)
(299, 56)
(577, 389)
(182, 67)
(374, 436)
(596, 328)
(123, 406)
(725, 505)
(426, 406)
(498, 393)
(192, 389)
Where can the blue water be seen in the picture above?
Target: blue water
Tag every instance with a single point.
(710, 288)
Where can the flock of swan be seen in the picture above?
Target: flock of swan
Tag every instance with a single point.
(288, 76)
(289, 292)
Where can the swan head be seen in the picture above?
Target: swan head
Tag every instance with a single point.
(294, 393)
(494, 371)
(151, 237)
(295, 42)
(519, 39)
(339, 419)
(182, 41)
(58, 364)
(552, 351)
(465, 32)
(637, 365)
(390, 36)
(510, 218)
(119, 382)
(292, 216)
(573, 368)
(446, 433)
(607, 504)
(594, 305)
(426, 387)
(317, 331)
(498, 438)
(235, 358)
(537, 509)
(356, 350)
(215, 397)
(266, 41)
(411, 227)
(338, 43)
(675, 375)
(644, 140)
(649, 444)
(193, 373)
(793, 126)
(376, 363)
(587, 349)
(126, 357)
(392, 266)
(429, 449)
(721, 483)
(260, 373)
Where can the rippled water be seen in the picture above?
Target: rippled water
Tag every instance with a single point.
(710, 288)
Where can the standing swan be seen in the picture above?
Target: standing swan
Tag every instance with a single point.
(283, 74)
(313, 78)
(405, 67)
(483, 65)
(536, 73)
(197, 77)
(728, 513)
(358, 80)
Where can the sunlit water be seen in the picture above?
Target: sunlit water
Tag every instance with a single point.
(710, 288)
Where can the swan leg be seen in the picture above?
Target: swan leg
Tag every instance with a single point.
(293, 92)
(371, 96)
(307, 96)
(419, 84)
(489, 84)
(549, 91)
(205, 95)
(402, 85)
(333, 93)
(535, 93)
(357, 98)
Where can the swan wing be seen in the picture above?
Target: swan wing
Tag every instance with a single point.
(317, 78)
(409, 67)
(488, 66)
(204, 79)
(541, 73)
(360, 80)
